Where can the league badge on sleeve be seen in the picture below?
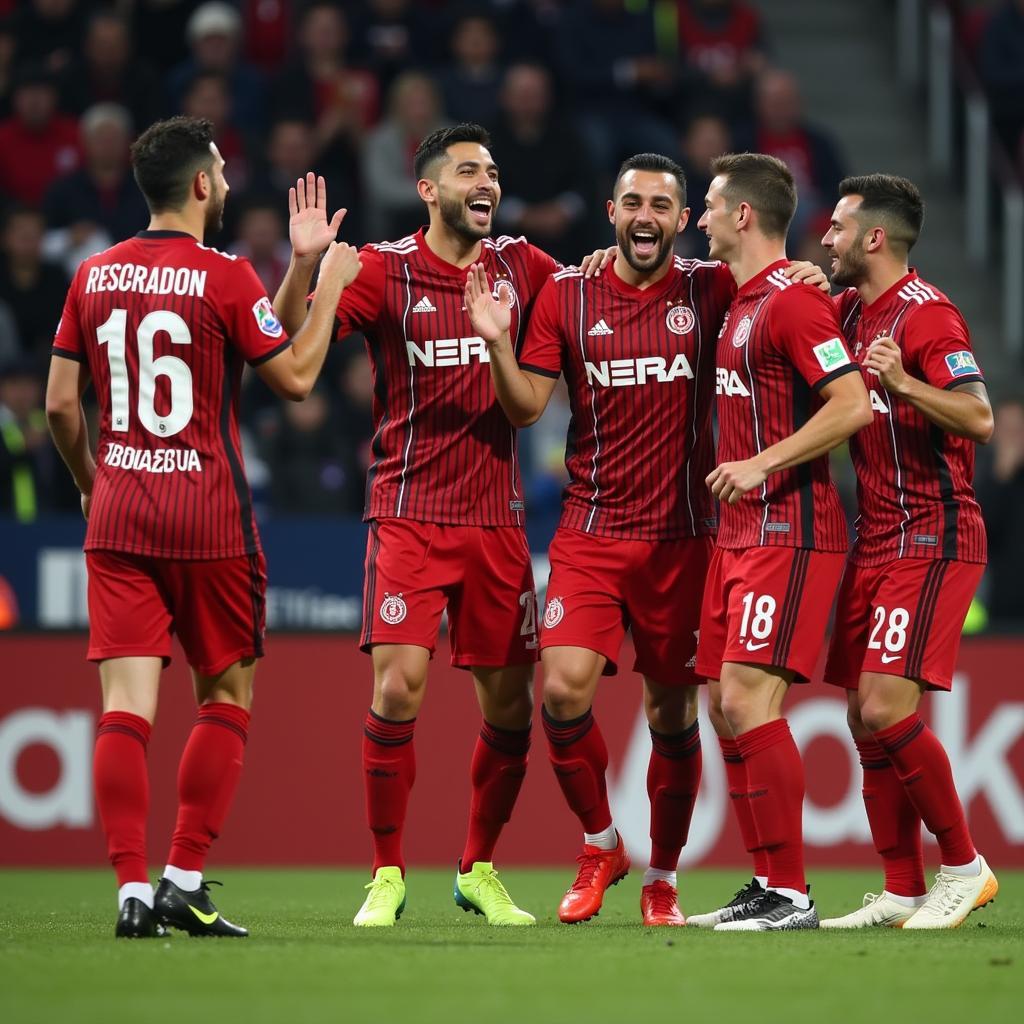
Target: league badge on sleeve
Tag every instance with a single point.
(960, 364)
(831, 354)
(266, 318)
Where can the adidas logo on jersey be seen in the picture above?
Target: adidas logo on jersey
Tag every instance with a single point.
(424, 306)
(727, 382)
(600, 328)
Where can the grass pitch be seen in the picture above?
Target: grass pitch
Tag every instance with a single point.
(305, 961)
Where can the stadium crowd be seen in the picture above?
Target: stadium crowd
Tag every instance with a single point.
(349, 88)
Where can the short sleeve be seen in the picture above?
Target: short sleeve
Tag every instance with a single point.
(67, 339)
(541, 267)
(937, 342)
(723, 286)
(361, 302)
(805, 328)
(252, 325)
(542, 349)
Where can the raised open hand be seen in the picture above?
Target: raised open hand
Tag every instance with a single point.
(309, 229)
(491, 317)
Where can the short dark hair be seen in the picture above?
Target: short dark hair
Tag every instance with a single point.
(659, 165)
(435, 146)
(166, 157)
(764, 182)
(893, 201)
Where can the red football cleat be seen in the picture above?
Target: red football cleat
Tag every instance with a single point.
(598, 870)
(659, 903)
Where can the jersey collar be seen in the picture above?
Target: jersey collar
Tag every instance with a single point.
(631, 291)
(164, 234)
(758, 281)
(439, 264)
(888, 294)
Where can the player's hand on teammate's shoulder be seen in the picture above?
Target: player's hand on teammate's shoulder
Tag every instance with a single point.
(309, 230)
(805, 272)
(491, 317)
(886, 360)
(731, 480)
(598, 260)
(341, 261)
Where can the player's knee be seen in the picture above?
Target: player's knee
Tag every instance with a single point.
(564, 697)
(877, 714)
(672, 711)
(854, 719)
(738, 710)
(398, 696)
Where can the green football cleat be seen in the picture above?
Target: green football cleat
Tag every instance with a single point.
(384, 906)
(481, 891)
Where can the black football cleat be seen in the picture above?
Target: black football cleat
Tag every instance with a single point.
(137, 921)
(193, 912)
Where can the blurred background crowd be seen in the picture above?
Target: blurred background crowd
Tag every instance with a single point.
(348, 88)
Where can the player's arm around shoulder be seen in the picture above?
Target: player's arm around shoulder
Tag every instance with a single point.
(523, 395)
(950, 390)
(292, 372)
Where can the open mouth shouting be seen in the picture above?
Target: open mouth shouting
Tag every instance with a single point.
(480, 210)
(645, 242)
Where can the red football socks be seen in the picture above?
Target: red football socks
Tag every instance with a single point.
(121, 782)
(673, 778)
(923, 767)
(580, 758)
(775, 783)
(208, 774)
(389, 770)
(895, 823)
(736, 777)
(497, 772)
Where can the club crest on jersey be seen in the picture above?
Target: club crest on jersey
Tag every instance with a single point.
(504, 285)
(680, 319)
(960, 364)
(742, 332)
(393, 609)
(553, 613)
(266, 318)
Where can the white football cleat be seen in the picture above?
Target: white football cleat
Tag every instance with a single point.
(953, 897)
(877, 912)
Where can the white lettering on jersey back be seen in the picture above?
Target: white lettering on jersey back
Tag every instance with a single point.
(134, 277)
(161, 460)
(448, 352)
(619, 373)
(727, 382)
(877, 404)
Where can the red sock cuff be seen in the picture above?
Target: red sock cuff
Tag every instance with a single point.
(730, 750)
(386, 731)
(562, 734)
(511, 742)
(677, 745)
(872, 756)
(900, 734)
(227, 716)
(753, 741)
(125, 722)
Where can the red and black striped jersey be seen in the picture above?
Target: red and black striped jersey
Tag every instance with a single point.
(164, 324)
(443, 449)
(914, 480)
(639, 364)
(780, 345)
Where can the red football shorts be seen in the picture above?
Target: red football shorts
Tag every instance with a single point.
(601, 586)
(767, 606)
(482, 574)
(903, 618)
(216, 606)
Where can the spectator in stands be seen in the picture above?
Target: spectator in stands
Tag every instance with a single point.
(269, 27)
(721, 42)
(471, 82)
(8, 49)
(215, 38)
(1000, 488)
(393, 207)
(705, 137)
(209, 95)
(781, 131)
(10, 342)
(309, 463)
(343, 101)
(48, 32)
(263, 240)
(1001, 60)
(160, 30)
(393, 36)
(32, 287)
(31, 471)
(99, 204)
(107, 71)
(549, 208)
(36, 142)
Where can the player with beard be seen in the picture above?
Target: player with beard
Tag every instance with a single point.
(919, 555)
(788, 393)
(444, 502)
(637, 347)
(162, 325)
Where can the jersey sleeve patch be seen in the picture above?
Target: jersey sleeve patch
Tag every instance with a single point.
(266, 318)
(831, 355)
(961, 364)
